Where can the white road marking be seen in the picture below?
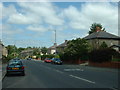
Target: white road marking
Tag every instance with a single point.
(113, 88)
(58, 71)
(82, 79)
(73, 70)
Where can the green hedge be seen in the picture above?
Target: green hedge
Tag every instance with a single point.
(47, 56)
(101, 55)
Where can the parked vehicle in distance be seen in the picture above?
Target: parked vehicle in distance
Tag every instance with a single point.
(28, 58)
(47, 60)
(15, 67)
(56, 61)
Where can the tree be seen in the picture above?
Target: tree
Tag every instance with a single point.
(12, 49)
(77, 49)
(36, 51)
(44, 50)
(20, 49)
(103, 45)
(94, 28)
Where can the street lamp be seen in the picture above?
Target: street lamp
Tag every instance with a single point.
(55, 40)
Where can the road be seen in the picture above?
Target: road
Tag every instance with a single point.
(46, 75)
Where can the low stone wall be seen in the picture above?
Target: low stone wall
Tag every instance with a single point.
(106, 64)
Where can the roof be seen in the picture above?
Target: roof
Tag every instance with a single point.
(52, 47)
(63, 44)
(102, 35)
(115, 46)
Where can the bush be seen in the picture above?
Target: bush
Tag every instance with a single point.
(101, 55)
(47, 56)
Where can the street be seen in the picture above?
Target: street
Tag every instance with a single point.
(46, 75)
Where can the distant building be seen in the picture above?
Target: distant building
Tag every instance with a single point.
(97, 38)
(26, 53)
(3, 50)
(52, 49)
(61, 47)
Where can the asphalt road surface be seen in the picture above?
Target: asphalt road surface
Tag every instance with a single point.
(46, 75)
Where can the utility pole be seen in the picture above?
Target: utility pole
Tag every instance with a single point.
(55, 41)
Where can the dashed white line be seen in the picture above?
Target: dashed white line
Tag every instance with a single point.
(82, 79)
(73, 70)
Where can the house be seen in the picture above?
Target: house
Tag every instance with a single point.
(52, 49)
(61, 47)
(3, 50)
(27, 53)
(97, 38)
(116, 47)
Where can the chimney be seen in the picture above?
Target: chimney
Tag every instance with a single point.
(66, 41)
(98, 29)
(55, 44)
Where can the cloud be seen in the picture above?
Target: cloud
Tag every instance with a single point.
(19, 18)
(36, 13)
(82, 18)
(38, 28)
(9, 30)
(8, 11)
(39, 17)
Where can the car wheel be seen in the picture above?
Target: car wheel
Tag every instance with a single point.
(23, 73)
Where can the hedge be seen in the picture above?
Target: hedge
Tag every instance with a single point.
(101, 55)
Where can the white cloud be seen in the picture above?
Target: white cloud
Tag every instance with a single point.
(1, 6)
(33, 12)
(8, 11)
(9, 30)
(38, 28)
(41, 17)
(104, 13)
(19, 18)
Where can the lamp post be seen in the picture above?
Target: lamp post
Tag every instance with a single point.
(55, 40)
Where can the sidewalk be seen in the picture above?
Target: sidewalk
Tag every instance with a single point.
(3, 70)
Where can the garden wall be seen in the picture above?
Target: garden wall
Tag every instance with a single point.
(106, 64)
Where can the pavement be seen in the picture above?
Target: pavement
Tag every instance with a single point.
(2, 72)
(46, 75)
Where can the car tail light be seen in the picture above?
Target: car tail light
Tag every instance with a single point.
(8, 68)
(23, 67)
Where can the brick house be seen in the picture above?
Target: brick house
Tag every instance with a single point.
(52, 49)
(61, 47)
(97, 38)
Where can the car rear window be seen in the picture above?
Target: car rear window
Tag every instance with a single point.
(15, 63)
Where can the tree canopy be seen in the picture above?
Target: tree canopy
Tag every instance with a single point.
(94, 26)
(77, 48)
(44, 50)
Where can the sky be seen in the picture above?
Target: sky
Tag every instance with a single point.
(33, 23)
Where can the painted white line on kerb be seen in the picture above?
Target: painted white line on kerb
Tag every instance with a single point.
(113, 88)
(58, 71)
(82, 79)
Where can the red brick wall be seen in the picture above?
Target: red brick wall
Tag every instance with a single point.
(106, 64)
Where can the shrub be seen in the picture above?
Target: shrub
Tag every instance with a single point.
(47, 56)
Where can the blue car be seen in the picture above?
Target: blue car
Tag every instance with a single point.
(15, 67)
(56, 61)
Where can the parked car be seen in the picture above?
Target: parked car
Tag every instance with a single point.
(56, 61)
(15, 67)
(28, 58)
(47, 60)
